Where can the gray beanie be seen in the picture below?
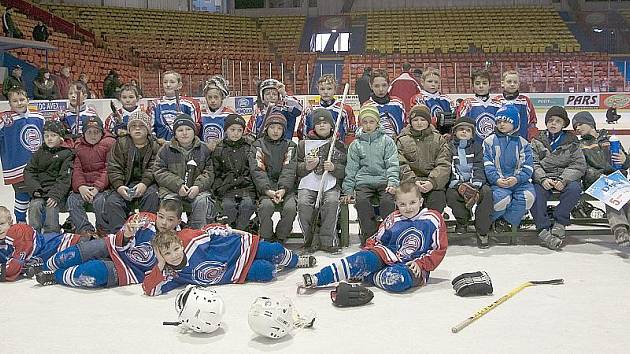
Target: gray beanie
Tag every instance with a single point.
(584, 117)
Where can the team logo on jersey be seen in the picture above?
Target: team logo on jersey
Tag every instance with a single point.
(168, 116)
(141, 255)
(435, 110)
(485, 125)
(409, 242)
(387, 122)
(212, 132)
(30, 137)
(209, 272)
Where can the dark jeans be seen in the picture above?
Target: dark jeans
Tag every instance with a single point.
(482, 212)
(435, 199)
(238, 213)
(117, 208)
(287, 209)
(562, 213)
(365, 196)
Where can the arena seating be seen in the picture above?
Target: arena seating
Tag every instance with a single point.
(283, 32)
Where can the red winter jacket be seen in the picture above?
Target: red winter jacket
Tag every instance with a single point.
(90, 164)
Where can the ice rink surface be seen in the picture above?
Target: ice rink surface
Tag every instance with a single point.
(590, 313)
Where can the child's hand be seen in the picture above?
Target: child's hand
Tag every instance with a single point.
(140, 189)
(271, 194)
(426, 186)
(347, 199)
(619, 158)
(415, 269)
(123, 191)
(559, 185)
(161, 263)
(311, 162)
(183, 190)
(511, 181)
(212, 144)
(547, 183)
(86, 195)
(161, 141)
(193, 192)
(131, 227)
(280, 194)
(390, 190)
(51, 203)
(329, 166)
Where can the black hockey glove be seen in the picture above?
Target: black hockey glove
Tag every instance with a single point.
(472, 284)
(347, 295)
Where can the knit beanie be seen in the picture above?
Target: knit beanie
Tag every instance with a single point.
(55, 126)
(584, 117)
(184, 119)
(232, 119)
(464, 122)
(142, 117)
(92, 122)
(323, 115)
(558, 112)
(508, 113)
(276, 117)
(420, 111)
(369, 111)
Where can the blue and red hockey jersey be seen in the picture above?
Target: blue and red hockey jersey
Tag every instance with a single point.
(421, 239)
(212, 124)
(24, 244)
(214, 255)
(526, 112)
(69, 118)
(113, 126)
(482, 112)
(348, 121)
(20, 136)
(435, 101)
(393, 116)
(164, 110)
(290, 108)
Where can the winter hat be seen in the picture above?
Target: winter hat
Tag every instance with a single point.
(232, 119)
(184, 119)
(276, 117)
(558, 112)
(219, 83)
(421, 111)
(584, 117)
(464, 122)
(92, 122)
(55, 126)
(323, 115)
(142, 117)
(369, 111)
(508, 113)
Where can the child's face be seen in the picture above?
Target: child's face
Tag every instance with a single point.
(584, 129)
(511, 83)
(52, 139)
(171, 84)
(326, 91)
(504, 126)
(93, 135)
(185, 135)
(408, 204)
(323, 129)
(5, 222)
(555, 124)
(271, 96)
(214, 99)
(369, 124)
(464, 133)
(173, 254)
(234, 132)
(128, 99)
(419, 124)
(138, 131)
(275, 131)
(380, 86)
(481, 86)
(73, 96)
(431, 83)
(167, 220)
(18, 103)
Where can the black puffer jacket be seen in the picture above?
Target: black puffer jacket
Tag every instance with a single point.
(231, 168)
(49, 173)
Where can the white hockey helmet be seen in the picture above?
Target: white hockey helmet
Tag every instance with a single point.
(271, 317)
(267, 84)
(200, 309)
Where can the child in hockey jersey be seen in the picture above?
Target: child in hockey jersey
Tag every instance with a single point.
(77, 94)
(371, 171)
(216, 255)
(47, 178)
(467, 186)
(119, 259)
(273, 163)
(21, 246)
(183, 171)
(21, 135)
(116, 122)
(130, 172)
(430, 96)
(391, 109)
(481, 109)
(410, 243)
(425, 157)
(559, 165)
(273, 96)
(164, 110)
(310, 169)
(215, 91)
(90, 185)
(509, 164)
(233, 184)
(327, 86)
(510, 83)
(596, 149)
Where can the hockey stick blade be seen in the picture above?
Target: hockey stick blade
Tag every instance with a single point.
(547, 282)
(167, 323)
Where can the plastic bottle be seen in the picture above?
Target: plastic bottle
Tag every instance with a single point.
(615, 148)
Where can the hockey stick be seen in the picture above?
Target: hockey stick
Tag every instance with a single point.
(78, 123)
(177, 106)
(166, 323)
(503, 299)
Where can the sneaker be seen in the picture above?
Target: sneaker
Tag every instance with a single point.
(309, 280)
(461, 228)
(482, 241)
(45, 277)
(548, 240)
(622, 237)
(306, 261)
(558, 230)
(33, 269)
